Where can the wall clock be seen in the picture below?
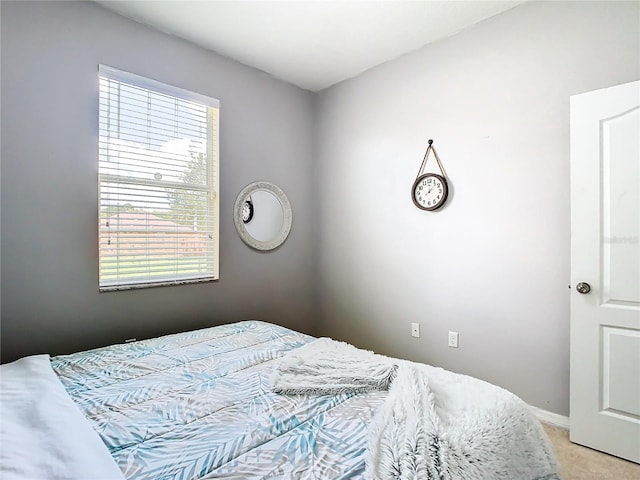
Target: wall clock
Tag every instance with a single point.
(430, 190)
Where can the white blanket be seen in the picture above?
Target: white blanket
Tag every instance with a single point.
(434, 424)
(440, 425)
(328, 367)
(43, 435)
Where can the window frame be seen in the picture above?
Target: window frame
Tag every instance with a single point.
(212, 108)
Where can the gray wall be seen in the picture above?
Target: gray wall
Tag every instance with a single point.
(50, 300)
(493, 265)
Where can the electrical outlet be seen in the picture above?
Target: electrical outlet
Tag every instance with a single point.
(415, 330)
(453, 339)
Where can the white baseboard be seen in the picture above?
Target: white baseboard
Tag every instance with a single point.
(551, 418)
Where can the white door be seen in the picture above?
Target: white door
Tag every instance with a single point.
(605, 256)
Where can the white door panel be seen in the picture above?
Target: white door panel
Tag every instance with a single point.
(621, 215)
(605, 253)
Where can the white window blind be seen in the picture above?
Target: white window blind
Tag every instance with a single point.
(158, 183)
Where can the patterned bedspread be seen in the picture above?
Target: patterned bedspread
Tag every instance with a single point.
(198, 405)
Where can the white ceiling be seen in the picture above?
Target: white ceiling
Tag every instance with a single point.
(311, 44)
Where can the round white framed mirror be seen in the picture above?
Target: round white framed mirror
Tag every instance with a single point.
(262, 215)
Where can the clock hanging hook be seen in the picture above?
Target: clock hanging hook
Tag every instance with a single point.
(426, 157)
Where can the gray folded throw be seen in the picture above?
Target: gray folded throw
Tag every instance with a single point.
(328, 367)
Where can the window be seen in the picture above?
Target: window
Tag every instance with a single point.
(158, 183)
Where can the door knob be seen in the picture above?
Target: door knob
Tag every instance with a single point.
(583, 287)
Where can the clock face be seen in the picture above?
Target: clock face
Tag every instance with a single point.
(247, 211)
(429, 191)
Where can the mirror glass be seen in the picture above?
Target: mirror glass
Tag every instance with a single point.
(262, 215)
(266, 220)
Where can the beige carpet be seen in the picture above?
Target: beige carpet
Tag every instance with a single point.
(581, 463)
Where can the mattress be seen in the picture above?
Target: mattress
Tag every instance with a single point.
(198, 405)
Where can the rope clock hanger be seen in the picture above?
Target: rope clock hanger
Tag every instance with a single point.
(430, 191)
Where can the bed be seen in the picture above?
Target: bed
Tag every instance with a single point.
(202, 405)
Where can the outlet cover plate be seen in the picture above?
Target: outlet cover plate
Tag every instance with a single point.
(453, 339)
(415, 330)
